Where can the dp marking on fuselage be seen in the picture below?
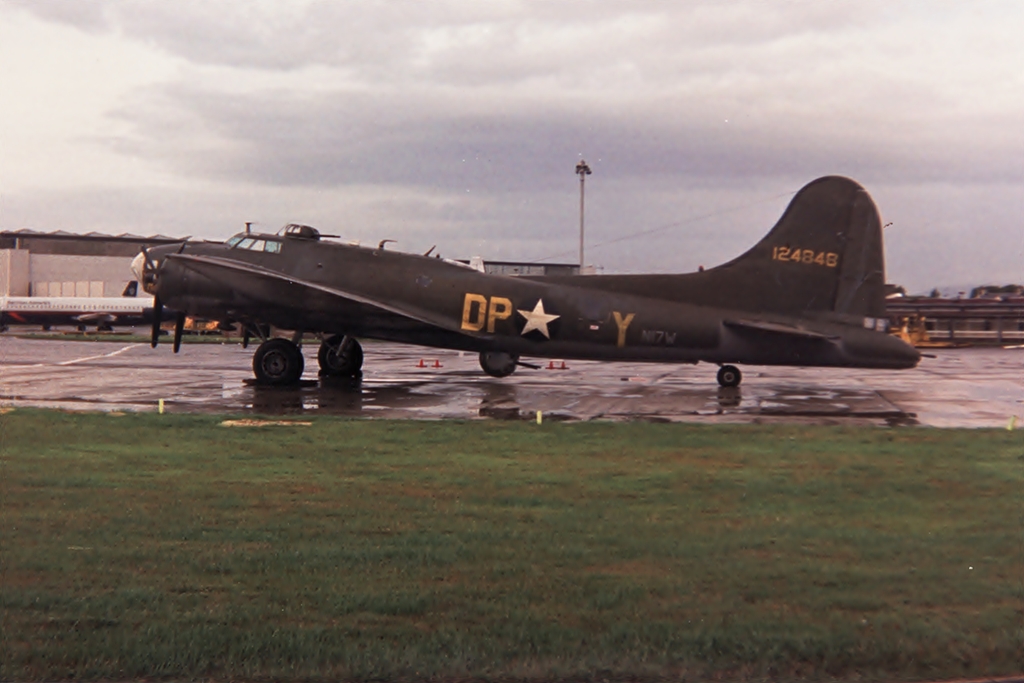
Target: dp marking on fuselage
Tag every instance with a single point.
(479, 311)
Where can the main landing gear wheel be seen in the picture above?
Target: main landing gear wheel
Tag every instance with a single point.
(340, 356)
(498, 363)
(729, 376)
(278, 362)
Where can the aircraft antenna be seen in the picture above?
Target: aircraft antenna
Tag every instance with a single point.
(248, 227)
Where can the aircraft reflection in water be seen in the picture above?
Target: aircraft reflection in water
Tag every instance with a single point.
(811, 293)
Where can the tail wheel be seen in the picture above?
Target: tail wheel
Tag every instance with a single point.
(340, 356)
(498, 363)
(729, 376)
(278, 362)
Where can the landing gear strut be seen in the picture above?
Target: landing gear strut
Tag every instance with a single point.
(340, 356)
(498, 363)
(278, 362)
(729, 376)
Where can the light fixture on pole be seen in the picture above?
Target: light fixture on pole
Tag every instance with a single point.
(582, 170)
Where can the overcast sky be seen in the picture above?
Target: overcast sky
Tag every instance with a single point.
(460, 124)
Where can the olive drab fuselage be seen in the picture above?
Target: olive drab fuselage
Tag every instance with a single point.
(811, 293)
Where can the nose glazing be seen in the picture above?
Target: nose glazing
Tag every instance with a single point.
(145, 267)
(138, 266)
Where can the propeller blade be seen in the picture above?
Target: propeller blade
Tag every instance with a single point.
(179, 326)
(245, 336)
(158, 316)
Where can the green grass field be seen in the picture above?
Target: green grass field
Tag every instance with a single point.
(171, 547)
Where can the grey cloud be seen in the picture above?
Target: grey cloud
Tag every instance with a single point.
(91, 17)
(452, 39)
(422, 139)
(463, 120)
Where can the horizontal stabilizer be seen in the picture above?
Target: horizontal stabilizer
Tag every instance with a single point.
(775, 329)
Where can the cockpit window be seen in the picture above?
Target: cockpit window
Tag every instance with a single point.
(253, 244)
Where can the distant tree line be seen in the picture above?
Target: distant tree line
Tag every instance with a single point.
(983, 292)
(994, 291)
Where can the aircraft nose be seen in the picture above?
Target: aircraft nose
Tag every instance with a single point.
(138, 264)
(146, 267)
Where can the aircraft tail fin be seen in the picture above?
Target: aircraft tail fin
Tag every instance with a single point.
(824, 254)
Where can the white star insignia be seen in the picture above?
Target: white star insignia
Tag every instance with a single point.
(537, 319)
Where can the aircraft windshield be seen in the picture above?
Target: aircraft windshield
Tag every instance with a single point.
(253, 244)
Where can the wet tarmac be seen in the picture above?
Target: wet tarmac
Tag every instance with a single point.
(957, 388)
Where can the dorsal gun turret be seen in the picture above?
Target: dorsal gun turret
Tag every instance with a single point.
(304, 232)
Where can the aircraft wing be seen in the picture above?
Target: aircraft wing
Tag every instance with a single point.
(762, 327)
(222, 270)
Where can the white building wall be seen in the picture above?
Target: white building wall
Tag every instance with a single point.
(14, 272)
(65, 275)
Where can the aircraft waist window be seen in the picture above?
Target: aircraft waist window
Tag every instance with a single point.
(273, 247)
(258, 245)
(234, 240)
(246, 243)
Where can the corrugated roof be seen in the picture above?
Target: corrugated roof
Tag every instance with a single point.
(27, 232)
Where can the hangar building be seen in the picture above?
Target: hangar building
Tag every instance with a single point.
(65, 264)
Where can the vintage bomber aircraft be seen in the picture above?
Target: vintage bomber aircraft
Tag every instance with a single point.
(811, 293)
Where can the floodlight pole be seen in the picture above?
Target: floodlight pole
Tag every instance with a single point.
(582, 170)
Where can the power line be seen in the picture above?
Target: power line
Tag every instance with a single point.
(676, 224)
